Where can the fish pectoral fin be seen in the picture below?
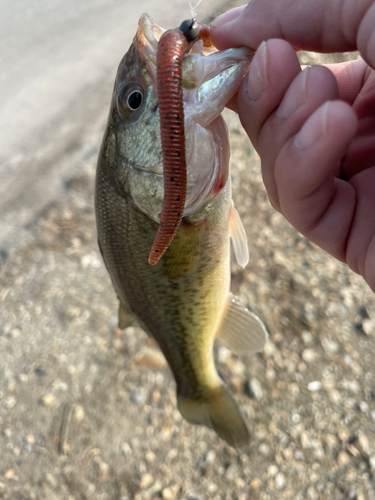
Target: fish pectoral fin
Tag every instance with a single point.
(241, 330)
(125, 319)
(238, 237)
(218, 411)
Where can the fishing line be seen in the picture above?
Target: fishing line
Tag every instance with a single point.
(192, 9)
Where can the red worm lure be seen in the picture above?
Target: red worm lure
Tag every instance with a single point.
(171, 49)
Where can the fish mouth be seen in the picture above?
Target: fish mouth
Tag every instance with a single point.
(209, 80)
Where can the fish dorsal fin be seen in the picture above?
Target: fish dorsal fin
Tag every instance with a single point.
(242, 331)
(238, 237)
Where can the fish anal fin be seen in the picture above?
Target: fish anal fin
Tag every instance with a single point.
(125, 319)
(218, 411)
(241, 330)
(238, 237)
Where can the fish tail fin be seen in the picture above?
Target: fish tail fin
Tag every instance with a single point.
(219, 411)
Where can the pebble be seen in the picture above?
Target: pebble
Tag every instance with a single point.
(48, 399)
(351, 385)
(334, 396)
(223, 354)
(348, 360)
(272, 470)
(280, 481)
(309, 355)
(363, 406)
(368, 326)
(73, 312)
(103, 469)
(330, 345)
(288, 454)
(343, 458)
(210, 457)
(10, 402)
(30, 439)
(40, 371)
(127, 451)
(312, 494)
(9, 474)
(254, 389)
(138, 396)
(146, 481)
(150, 457)
(331, 441)
(79, 413)
(264, 449)
(364, 442)
(255, 483)
(307, 337)
(296, 418)
(212, 487)
(231, 472)
(51, 480)
(194, 496)
(23, 377)
(236, 367)
(170, 493)
(314, 386)
(306, 441)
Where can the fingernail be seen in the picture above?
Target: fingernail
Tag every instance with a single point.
(313, 130)
(294, 97)
(257, 79)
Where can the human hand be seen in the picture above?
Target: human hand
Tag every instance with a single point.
(313, 129)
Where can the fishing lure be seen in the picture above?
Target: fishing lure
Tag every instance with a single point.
(172, 46)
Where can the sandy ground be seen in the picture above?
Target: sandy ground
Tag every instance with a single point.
(88, 412)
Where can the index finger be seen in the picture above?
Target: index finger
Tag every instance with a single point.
(321, 26)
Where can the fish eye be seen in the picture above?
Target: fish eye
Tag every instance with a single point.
(135, 100)
(130, 99)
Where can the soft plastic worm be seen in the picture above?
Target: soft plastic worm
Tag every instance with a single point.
(171, 49)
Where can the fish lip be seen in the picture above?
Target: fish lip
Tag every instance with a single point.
(215, 62)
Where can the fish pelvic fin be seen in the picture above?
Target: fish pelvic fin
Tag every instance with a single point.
(238, 237)
(241, 330)
(220, 412)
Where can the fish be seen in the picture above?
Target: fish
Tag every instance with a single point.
(184, 300)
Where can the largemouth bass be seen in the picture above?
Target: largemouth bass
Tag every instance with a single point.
(183, 301)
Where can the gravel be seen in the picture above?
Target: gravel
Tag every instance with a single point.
(88, 411)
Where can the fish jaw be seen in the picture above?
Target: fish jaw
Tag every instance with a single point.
(209, 79)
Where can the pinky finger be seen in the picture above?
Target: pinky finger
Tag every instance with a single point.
(315, 202)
